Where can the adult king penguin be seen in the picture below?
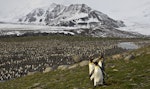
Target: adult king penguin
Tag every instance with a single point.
(97, 75)
(101, 62)
(91, 68)
(102, 66)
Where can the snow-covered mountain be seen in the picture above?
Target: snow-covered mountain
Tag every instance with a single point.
(72, 15)
(82, 19)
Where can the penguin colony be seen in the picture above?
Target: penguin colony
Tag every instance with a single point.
(96, 71)
(20, 58)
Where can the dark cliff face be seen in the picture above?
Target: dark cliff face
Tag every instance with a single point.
(73, 15)
(31, 17)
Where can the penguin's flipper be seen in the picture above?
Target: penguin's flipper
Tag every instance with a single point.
(91, 73)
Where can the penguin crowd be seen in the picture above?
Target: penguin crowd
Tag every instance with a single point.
(17, 59)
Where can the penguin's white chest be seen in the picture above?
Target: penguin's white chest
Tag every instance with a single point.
(91, 68)
(98, 72)
(100, 63)
(98, 76)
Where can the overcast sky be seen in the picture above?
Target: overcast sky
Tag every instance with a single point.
(10, 7)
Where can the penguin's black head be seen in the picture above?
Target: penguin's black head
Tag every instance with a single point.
(91, 60)
(96, 63)
(102, 55)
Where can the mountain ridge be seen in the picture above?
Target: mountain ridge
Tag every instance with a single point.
(60, 15)
(81, 17)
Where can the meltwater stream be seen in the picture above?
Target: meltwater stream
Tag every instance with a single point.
(128, 45)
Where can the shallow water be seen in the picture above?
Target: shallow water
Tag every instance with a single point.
(128, 45)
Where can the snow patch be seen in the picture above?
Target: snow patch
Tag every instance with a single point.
(77, 16)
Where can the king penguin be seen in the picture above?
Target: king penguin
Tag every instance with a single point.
(101, 62)
(102, 66)
(91, 68)
(97, 75)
